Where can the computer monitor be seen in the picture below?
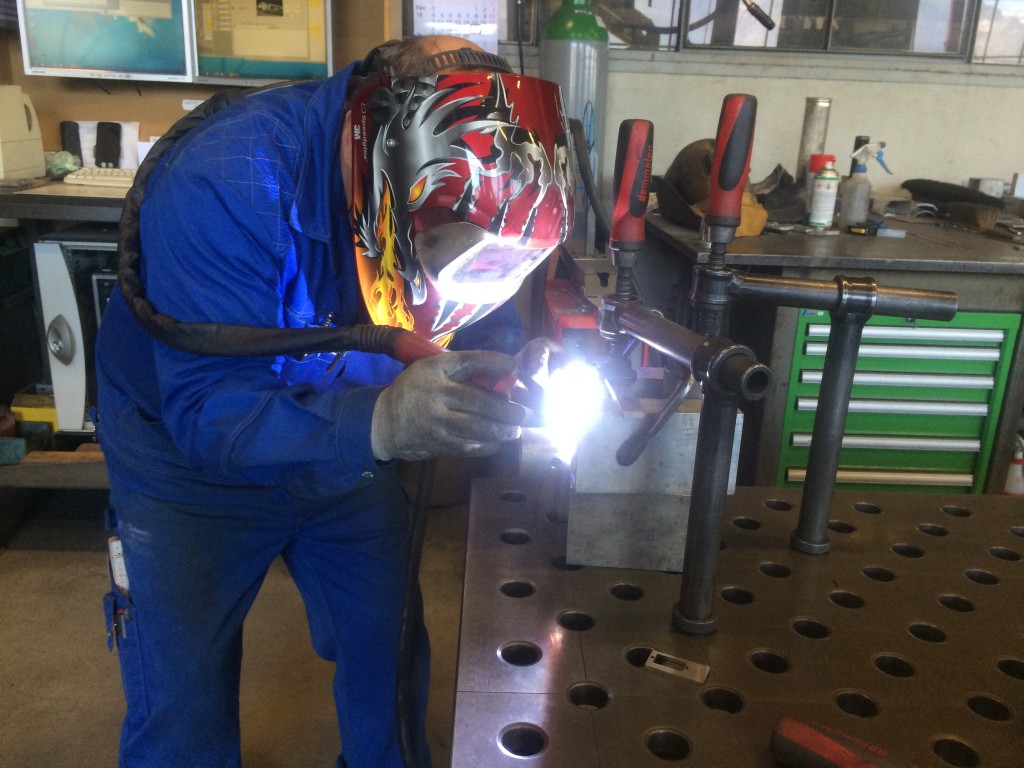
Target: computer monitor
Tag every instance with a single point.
(249, 42)
(118, 39)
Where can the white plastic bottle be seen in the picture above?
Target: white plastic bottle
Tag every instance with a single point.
(855, 198)
(823, 197)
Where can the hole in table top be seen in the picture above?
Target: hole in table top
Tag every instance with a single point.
(856, 703)
(522, 740)
(979, 576)
(637, 655)
(929, 633)
(576, 621)
(514, 497)
(746, 523)
(955, 752)
(840, 526)
(867, 508)
(907, 550)
(932, 529)
(894, 666)
(1011, 668)
(627, 591)
(989, 707)
(771, 662)
(515, 536)
(589, 695)
(668, 744)
(956, 603)
(1017, 530)
(517, 588)
(846, 599)
(775, 570)
(779, 505)
(811, 628)
(956, 511)
(737, 595)
(1005, 553)
(520, 653)
(878, 573)
(724, 699)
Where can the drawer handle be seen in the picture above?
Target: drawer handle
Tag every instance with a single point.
(893, 443)
(908, 407)
(855, 476)
(874, 378)
(976, 335)
(814, 348)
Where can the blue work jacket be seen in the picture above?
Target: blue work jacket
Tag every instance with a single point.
(244, 221)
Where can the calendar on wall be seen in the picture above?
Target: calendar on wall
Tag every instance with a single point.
(475, 20)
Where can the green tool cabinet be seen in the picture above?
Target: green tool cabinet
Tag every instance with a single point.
(925, 403)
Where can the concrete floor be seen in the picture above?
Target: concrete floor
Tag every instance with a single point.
(60, 686)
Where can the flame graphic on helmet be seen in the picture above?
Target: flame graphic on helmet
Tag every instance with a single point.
(385, 303)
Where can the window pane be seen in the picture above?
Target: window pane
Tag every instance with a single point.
(905, 26)
(1000, 38)
(902, 26)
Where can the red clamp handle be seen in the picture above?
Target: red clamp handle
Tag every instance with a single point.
(732, 160)
(632, 184)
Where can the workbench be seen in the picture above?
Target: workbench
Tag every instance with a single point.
(907, 635)
(986, 274)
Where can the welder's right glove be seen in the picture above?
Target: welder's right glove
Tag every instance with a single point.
(442, 406)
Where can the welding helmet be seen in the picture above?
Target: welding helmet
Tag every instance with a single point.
(462, 185)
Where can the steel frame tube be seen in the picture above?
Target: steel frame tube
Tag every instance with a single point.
(693, 613)
(811, 534)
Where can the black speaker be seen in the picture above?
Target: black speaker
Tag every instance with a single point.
(108, 145)
(71, 140)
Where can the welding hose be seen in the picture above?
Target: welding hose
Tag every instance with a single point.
(412, 619)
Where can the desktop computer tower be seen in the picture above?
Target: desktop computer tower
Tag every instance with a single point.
(75, 271)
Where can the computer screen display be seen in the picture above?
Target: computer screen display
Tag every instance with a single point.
(242, 41)
(122, 39)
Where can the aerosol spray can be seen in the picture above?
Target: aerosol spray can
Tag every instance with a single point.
(823, 196)
(574, 54)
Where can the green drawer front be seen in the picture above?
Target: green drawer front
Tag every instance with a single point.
(925, 403)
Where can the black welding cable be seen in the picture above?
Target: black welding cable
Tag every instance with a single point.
(579, 140)
(412, 620)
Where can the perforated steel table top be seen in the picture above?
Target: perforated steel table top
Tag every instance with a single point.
(909, 634)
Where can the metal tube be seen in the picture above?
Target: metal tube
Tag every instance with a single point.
(822, 294)
(811, 534)
(693, 613)
(716, 362)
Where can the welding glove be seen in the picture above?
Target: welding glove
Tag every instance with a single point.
(444, 406)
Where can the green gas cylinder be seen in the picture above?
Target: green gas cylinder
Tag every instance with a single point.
(574, 54)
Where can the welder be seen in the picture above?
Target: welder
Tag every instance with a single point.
(416, 189)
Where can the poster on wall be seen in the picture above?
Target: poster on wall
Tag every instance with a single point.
(475, 20)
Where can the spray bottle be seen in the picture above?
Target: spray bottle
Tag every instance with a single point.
(855, 191)
(574, 54)
(823, 196)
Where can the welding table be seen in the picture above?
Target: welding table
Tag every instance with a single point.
(909, 634)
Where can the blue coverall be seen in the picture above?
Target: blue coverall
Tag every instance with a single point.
(219, 465)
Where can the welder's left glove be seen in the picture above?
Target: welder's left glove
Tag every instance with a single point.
(445, 406)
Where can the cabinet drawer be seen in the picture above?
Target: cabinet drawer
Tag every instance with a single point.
(924, 406)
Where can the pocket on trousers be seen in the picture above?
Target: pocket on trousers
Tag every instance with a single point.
(122, 630)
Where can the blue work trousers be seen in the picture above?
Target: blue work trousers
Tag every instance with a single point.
(194, 573)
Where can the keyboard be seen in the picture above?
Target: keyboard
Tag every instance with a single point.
(102, 177)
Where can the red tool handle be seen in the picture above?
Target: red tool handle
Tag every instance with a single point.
(797, 744)
(632, 184)
(732, 160)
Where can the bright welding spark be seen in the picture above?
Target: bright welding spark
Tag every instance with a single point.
(574, 397)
